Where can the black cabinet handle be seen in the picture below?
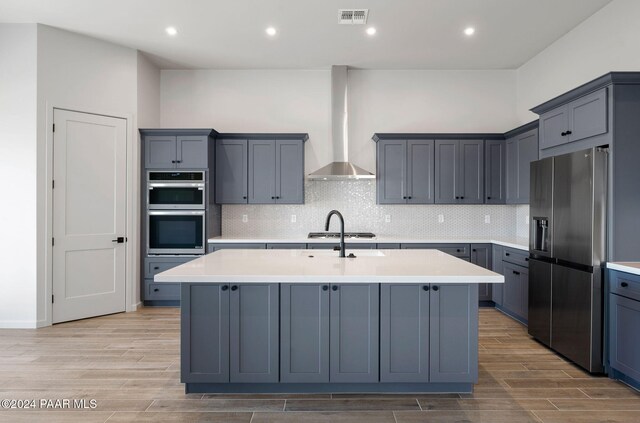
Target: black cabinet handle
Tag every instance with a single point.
(155, 290)
(457, 250)
(325, 287)
(173, 161)
(516, 273)
(409, 197)
(426, 287)
(334, 287)
(526, 259)
(277, 198)
(156, 267)
(624, 284)
(474, 250)
(568, 132)
(234, 287)
(435, 287)
(225, 287)
(404, 197)
(462, 198)
(457, 198)
(507, 254)
(273, 198)
(244, 197)
(488, 198)
(563, 134)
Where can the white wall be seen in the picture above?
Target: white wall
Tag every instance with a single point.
(607, 41)
(18, 77)
(148, 95)
(84, 74)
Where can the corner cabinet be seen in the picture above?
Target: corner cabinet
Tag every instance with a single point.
(260, 169)
(521, 150)
(177, 148)
(405, 172)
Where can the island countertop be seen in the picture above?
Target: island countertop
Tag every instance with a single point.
(319, 266)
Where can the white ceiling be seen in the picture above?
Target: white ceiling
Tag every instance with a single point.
(230, 34)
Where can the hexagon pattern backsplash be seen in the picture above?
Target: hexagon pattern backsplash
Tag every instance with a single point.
(356, 200)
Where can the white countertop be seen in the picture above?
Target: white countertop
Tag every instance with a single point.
(519, 243)
(625, 266)
(324, 266)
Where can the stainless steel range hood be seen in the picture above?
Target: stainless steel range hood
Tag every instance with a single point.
(340, 168)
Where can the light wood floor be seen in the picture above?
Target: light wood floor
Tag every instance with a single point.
(129, 364)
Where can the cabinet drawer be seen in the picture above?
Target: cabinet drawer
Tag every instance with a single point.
(161, 291)
(155, 266)
(456, 250)
(625, 284)
(286, 246)
(519, 257)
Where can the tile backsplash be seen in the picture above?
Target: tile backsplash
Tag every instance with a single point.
(356, 200)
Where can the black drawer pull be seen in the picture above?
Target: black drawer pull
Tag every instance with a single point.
(569, 132)
(277, 198)
(156, 289)
(516, 273)
(457, 198)
(234, 287)
(426, 287)
(404, 198)
(325, 287)
(474, 250)
(244, 197)
(624, 284)
(156, 267)
(563, 134)
(507, 254)
(526, 259)
(488, 198)
(273, 198)
(409, 198)
(462, 198)
(435, 287)
(225, 287)
(457, 250)
(334, 287)
(173, 161)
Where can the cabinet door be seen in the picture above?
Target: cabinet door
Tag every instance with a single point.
(289, 172)
(494, 168)
(453, 327)
(624, 343)
(588, 116)
(481, 256)
(513, 295)
(527, 152)
(553, 125)
(447, 173)
(420, 171)
(231, 171)
(204, 333)
(496, 259)
(392, 172)
(511, 167)
(524, 284)
(471, 167)
(304, 341)
(253, 333)
(159, 152)
(192, 152)
(262, 171)
(354, 321)
(404, 333)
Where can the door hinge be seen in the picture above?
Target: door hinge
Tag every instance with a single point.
(53, 184)
(53, 299)
(54, 127)
(53, 242)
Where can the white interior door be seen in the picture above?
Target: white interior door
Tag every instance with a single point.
(89, 212)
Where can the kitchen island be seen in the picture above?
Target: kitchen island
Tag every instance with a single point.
(260, 321)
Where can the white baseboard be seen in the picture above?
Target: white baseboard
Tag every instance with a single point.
(135, 307)
(20, 324)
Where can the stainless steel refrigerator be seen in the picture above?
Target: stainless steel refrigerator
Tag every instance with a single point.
(567, 246)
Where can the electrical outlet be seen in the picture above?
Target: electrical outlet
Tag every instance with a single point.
(441, 218)
(294, 218)
(387, 218)
(245, 218)
(487, 218)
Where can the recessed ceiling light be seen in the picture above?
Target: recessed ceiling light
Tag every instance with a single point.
(271, 31)
(371, 31)
(469, 31)
(171, 30)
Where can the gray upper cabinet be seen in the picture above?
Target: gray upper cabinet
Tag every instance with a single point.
(231, 171)
(521, 150)
(289, 172)
(582, 118)
(304, 341)
(459, 171)
(169, 149)
(262, 171)
(354, 321)
(405, 171)
(453, 349)
(494, 172)
(253, 333)
(204, 332)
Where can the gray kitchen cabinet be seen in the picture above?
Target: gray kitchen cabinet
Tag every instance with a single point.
(276, 171)
(161, 291)
(354, 322)
(286, 246)
(204, 333)
(453, 319)
(481, 256)
(176, 149)
(304, 339)
(496, 259)
(582, 118)
(494, 172)
(405, 171)
(459, 171)
(254, 333)
(457, 250)
(262, 171)
(336, 246)
(215, 246)
(624, 321)
(404, 332)
(515, 299)
(521, 150)
(231, 171)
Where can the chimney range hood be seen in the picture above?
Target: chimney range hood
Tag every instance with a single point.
(340, 168)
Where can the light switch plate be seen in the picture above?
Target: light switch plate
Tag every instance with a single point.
(245, 218)
(294, 218)
(487, 218)
(441, 218)
(387, 218)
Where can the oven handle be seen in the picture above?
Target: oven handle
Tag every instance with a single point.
(199, 185)
(175, 212)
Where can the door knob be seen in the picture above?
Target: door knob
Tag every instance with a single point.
(119, 240)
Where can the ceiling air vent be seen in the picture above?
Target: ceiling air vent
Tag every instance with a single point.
(353, 16)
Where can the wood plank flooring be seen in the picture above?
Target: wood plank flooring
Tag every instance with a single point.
(129, 364)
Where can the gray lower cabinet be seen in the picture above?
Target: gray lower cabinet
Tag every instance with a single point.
(456, 250)
(234, 246)
(347, 245)
(253, 333)
(353, 335)
(304, 338)
(204, 333)
(481, 256)
(231, 171)
(521, 150)
(161, 291)
(494, 172)
(515, 297)
(624, 321)
(286, 246)
(497, 288)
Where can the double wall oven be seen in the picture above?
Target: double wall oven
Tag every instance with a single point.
(176, 203)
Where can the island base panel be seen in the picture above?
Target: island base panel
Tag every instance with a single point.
(287, 388)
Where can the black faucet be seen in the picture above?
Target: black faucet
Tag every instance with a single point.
(326, 228)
